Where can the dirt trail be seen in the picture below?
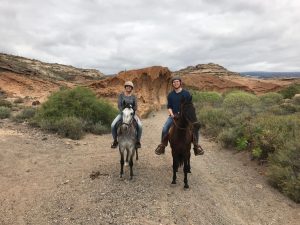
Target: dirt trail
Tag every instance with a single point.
(46, 180)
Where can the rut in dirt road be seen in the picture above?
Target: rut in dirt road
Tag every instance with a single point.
(49, 180)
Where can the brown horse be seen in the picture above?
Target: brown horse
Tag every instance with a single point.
(181, 137)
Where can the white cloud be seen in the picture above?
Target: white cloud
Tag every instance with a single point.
(114, 35)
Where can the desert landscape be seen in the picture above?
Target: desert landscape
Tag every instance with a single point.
(46, 179)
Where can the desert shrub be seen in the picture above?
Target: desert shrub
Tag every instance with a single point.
(70, 127)
(296, 99)
(290, 91)
(99, 128)
(238, 101)
(271, 98)
(80, 103)
(270, 132)
(284, 169)
(228, 137)
(25, 114)
(19, 100)
(213, 120)
(5, 103)
(4, 112)
(202, 99)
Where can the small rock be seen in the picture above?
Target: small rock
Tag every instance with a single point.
(259, 186)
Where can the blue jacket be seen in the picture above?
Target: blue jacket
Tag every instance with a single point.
(174, 100)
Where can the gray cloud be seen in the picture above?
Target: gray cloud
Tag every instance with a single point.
(116, 35)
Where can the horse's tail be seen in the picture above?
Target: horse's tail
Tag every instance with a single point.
(180, 159)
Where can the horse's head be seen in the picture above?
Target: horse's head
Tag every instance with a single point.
(127, 116)
(188, 111)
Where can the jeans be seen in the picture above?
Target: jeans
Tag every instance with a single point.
(167, 126)
(119, 118)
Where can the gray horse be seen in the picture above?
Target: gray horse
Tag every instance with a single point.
(127, 139)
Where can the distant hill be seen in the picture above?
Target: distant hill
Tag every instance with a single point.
(263, 74)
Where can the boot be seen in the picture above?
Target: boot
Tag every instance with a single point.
(138, 144)
(114, 144)
(160, 149)
(198, 150)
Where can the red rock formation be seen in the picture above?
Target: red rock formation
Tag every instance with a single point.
(151, 87)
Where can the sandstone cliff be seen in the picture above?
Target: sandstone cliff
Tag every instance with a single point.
(151, 87)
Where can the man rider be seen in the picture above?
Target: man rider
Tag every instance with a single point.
(173, 106)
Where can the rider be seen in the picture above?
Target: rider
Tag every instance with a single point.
(125, 98)
(173, 106)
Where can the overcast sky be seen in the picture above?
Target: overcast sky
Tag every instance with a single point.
(111, 35)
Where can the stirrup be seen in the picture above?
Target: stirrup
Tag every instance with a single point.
(160, 149)
(198, 150)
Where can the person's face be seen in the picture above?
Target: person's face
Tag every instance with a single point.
(128, 88)
(176, 84)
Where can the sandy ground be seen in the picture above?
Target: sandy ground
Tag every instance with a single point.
(45, 179)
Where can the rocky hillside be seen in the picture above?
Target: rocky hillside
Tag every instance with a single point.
(33, 80)
(47, 71)
(213, 77)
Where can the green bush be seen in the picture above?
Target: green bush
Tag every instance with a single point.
(270, 132)
(4, 112)
(290, 91)
(5, 103)
(70, 127)
(25, 114)
(241, 143)
(238, 101)
(99, 128)
(19, 100)
(296, 99)
(257, 152)
(202, 99)
(80, 103)
(284, 169)
(213, 120)
(270, 99)
(228, 137)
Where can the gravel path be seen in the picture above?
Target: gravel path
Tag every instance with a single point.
(49, 180)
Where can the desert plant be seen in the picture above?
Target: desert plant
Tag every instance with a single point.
(25, 114)
(270, 99)
(18, 100)
(202, 99)
(70, 127)
(238, 101)
(290, 91)
(241, 143)
(284, 169)
(4, 112)
(80, 103)
(5, 103)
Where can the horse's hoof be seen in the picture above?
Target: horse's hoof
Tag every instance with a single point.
(173, 182)
(130, 178)
(121, 176)
(186, 186)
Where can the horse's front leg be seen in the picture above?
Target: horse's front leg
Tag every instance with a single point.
(186, 169)
(137, 155)
(122, 163)
(175, 167)
(131, 162)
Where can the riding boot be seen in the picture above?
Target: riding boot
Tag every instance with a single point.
(138, 144)
(198, 150)
(161, 147)
(114, 144)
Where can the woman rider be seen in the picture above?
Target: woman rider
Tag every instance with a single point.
(125, 98)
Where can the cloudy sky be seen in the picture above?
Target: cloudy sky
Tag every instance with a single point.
(113, 35)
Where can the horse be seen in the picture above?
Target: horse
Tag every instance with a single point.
(127, 139)
(181, 136)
